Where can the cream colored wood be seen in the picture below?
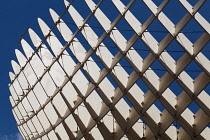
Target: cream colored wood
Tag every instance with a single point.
(17, 115)
(45, 138)
(32, 128)
(23, 131)
(27, 130)
(96, 133)
(93, 68)
(71, 95)
(92, 37)
(72, 125)
(43, 52)
(51, 114)
(119, 70)
(58, 96)
(88, 39)
(205, 133)
(43, 120)
(172, 132)
(61, 132)
(15, 67)
(60, 104)
(66, 33)
(52, 135)
(65, 61)
(35, 63)
(14, 98)
(29, 73)
(37, 124)
(89, 30)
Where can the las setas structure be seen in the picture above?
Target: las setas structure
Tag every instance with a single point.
(115, 70)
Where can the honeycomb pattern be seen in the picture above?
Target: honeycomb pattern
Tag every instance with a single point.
(101, 76)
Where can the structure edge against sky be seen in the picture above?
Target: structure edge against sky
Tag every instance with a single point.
(88, 77)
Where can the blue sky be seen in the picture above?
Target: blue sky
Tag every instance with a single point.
(16, 16)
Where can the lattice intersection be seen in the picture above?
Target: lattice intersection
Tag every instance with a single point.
(114, 77)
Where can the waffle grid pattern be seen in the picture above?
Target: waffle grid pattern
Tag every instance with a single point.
(84, 90)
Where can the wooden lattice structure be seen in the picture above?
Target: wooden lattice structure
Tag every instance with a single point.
(99, 89)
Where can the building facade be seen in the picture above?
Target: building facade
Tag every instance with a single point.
(115, 69)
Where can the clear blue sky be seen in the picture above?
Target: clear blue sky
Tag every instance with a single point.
(16, 16)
